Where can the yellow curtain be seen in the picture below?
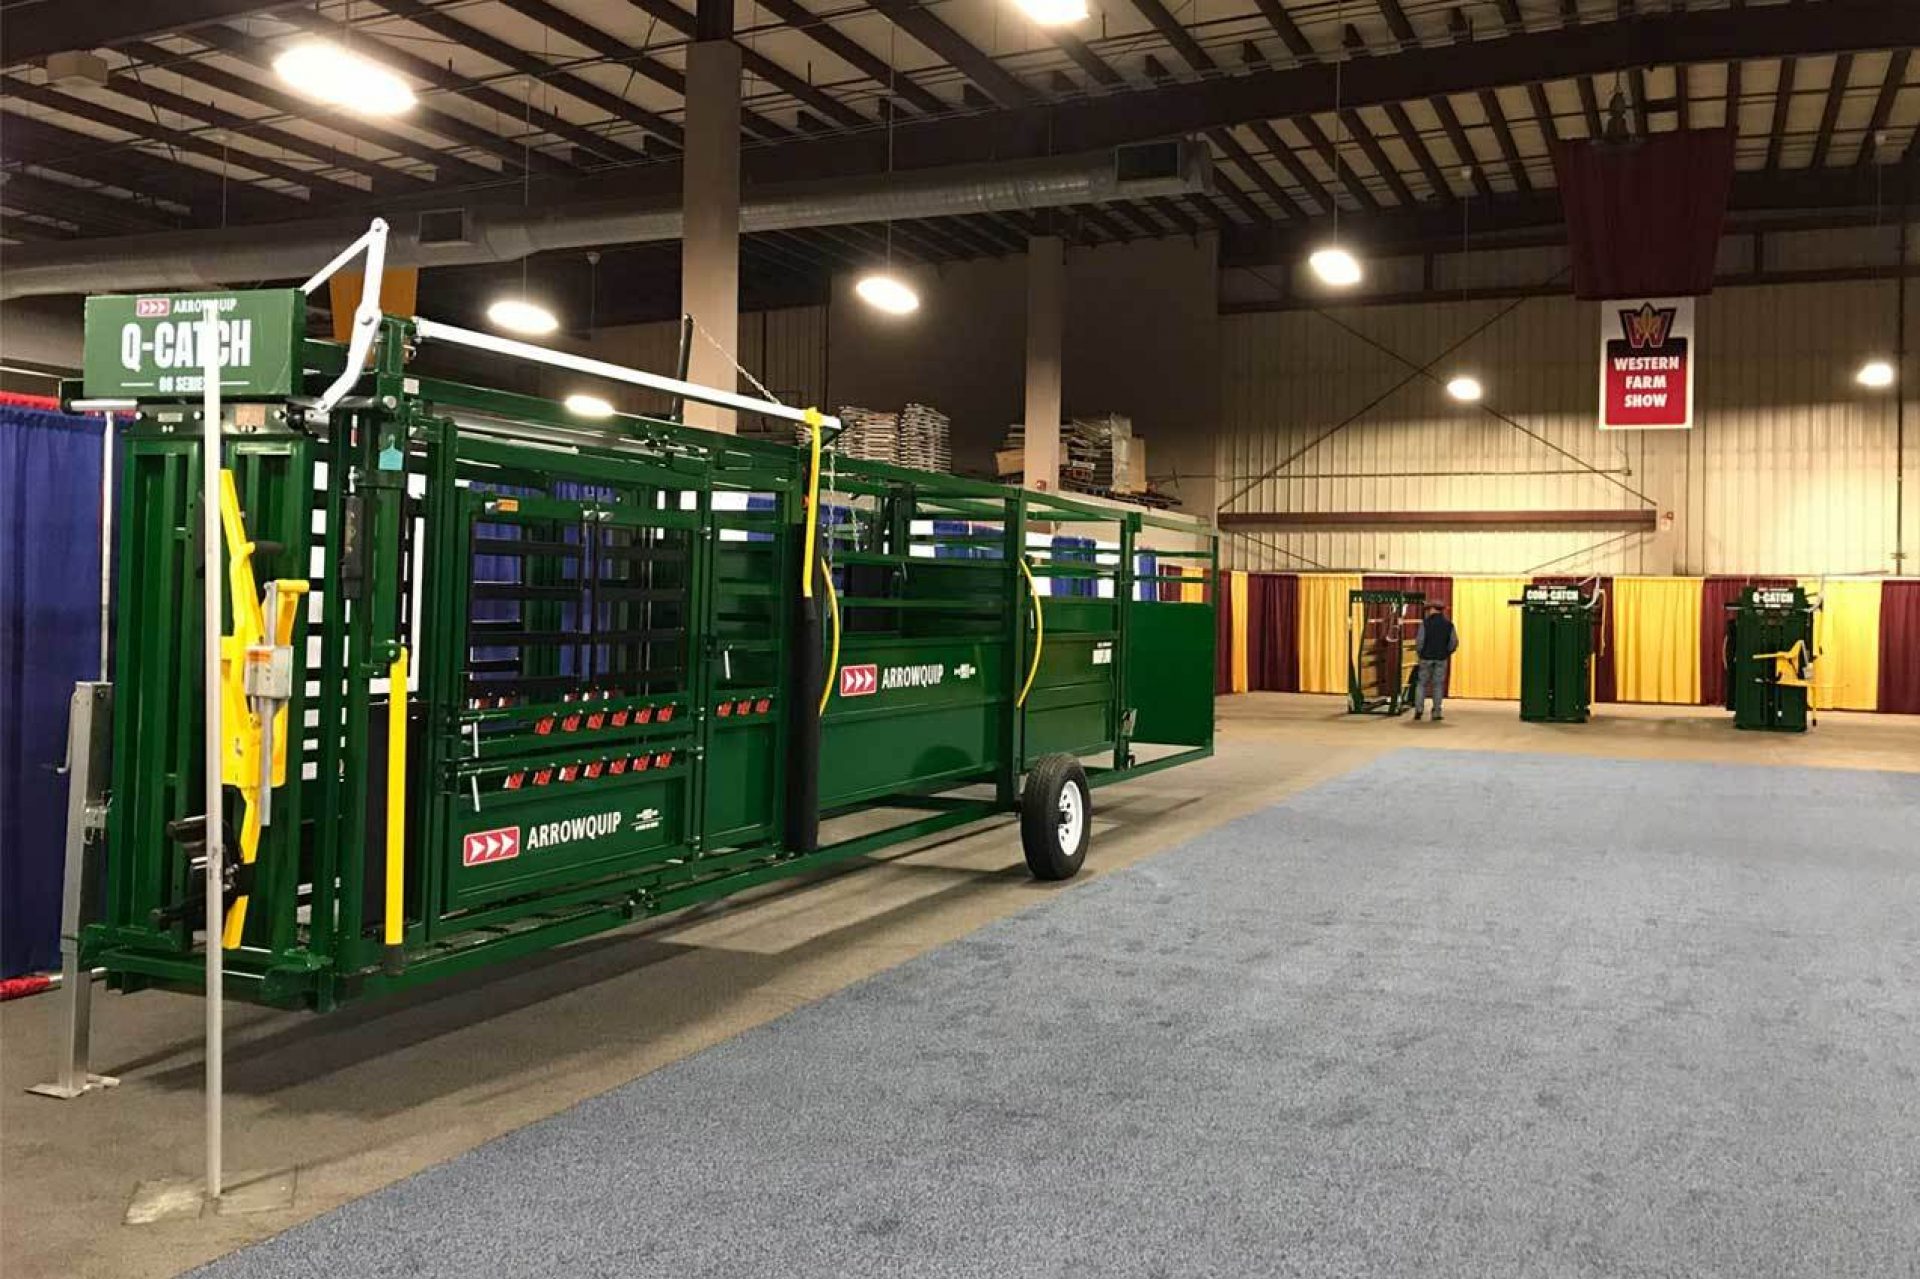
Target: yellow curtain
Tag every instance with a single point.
(1237, 585)
(1323, 631)
(1656, 639)
(1194, 591)
(1846, 635)
(1488, 663)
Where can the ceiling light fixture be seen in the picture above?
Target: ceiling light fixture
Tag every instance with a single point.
(580, 404)
(330, 74)
(1875, 374)
(1465, 389)
(1335, 266)
(517, 315)
(889, 293)
(1053, 13)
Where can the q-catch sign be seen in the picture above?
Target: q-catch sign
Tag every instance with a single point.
(148, 346)
(1646, 364)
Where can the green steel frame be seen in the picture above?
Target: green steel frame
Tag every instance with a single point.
(1558, 625)
(1380, 657)
(603, 626)
(1763, 621)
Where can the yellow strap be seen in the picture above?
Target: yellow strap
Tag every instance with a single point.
(1039, 631)
(833, 661)
(396, 796)
(814, 422)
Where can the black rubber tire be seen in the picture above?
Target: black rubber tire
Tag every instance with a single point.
(1040, 799)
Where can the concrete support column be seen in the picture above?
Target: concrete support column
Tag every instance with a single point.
(710, 247)
(1046, 307)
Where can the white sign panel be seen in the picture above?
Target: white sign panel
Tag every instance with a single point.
(1647, 356)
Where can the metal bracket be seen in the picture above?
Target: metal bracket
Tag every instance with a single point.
(366, 316)
(89, 755)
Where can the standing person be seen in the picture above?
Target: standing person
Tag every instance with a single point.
(1434, 643)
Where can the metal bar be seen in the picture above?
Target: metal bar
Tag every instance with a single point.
(433, 330)
(210, 544)
(1642, 518)
(1108, 776)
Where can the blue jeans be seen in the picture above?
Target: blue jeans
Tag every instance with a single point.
(1433, 684)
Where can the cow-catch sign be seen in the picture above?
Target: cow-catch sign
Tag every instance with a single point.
(1646, 364)
(148, 346)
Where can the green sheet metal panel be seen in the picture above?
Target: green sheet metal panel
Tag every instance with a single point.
(906, 713)
(1170, 673)
(1556, 655)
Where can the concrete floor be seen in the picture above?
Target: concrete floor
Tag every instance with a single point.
(367, 1096)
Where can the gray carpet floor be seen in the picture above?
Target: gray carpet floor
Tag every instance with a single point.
(1450, 1014)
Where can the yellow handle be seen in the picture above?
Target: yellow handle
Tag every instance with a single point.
(813, 502)
(833, 660)
(1039, 631)
(396, 797)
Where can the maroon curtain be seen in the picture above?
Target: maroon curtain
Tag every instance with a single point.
(1434, 588)
(1644, 220)
(1605, 688)
(1900, 648)
(1273, 632)
(1715, 594)
(1222, 635)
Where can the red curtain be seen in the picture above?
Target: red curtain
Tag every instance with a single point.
(1644, 220)
(1605, 689)
(1222, 635)
(1434, 588)
(1715, 594)
(1273, 632)
(1900, 648)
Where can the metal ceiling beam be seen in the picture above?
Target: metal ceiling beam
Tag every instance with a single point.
(117, 164)
(1422, 156)
(1397, 23)
(1198, 60)
(515, 59)
(91, 212)
(180, 140)
(1252, 167)
(1782, 100)
(445, 164)
(1330, 156)
(758, 64)
(454, 129)
(920, 22)
(1497, 118)
(446, 124)
(1377, 156)
(56, 28)
(854, 54)
(616, 51)
(385, 179)
(1883, 105)
(1462, 145)
(1286, 157)
(1589, 105)
(1836, 93)
(1289, 31)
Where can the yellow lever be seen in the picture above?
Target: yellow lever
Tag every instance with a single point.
(1039, 630)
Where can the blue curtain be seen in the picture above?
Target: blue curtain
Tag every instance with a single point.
(49, 638)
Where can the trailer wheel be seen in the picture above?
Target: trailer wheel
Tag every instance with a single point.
(1056, 816)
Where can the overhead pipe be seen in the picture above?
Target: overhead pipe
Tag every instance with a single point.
(212, 259)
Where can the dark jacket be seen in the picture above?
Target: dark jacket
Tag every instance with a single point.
(1436, 638)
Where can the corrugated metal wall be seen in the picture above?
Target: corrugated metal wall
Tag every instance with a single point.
(1791, 466)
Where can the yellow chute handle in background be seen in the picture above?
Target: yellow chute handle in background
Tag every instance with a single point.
(1039, 630)
(814, 423)
(833, 659)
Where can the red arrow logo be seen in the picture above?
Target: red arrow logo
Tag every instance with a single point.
(484, 846)
(859, 681)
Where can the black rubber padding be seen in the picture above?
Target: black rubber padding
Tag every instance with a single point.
(1040, 817)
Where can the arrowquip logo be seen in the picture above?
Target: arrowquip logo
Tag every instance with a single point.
(483, 847)
(574, 829)
(859, 681)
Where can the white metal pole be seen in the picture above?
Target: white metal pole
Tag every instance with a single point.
(210, 662)
(106, 534)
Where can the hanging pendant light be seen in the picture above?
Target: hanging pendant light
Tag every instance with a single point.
(1334, 264)
(884, 290)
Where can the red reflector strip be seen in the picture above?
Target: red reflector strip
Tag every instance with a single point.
(596, 719)
(593, 769)
(514, 779)
(542, 777)
(640, 763)
(617, 767)
(642, 715)
(666, 713)
(569, 771)
(544, 726)
(570, 723)
(723, 710)
(663, 759)
(745, 708)
(760, 707)
(620, 719)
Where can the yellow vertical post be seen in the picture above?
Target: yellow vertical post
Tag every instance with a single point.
(394, 922)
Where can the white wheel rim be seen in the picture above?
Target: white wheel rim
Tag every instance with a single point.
(1073, 817)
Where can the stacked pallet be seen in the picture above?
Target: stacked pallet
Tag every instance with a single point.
(868, 435)
(924, 439)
